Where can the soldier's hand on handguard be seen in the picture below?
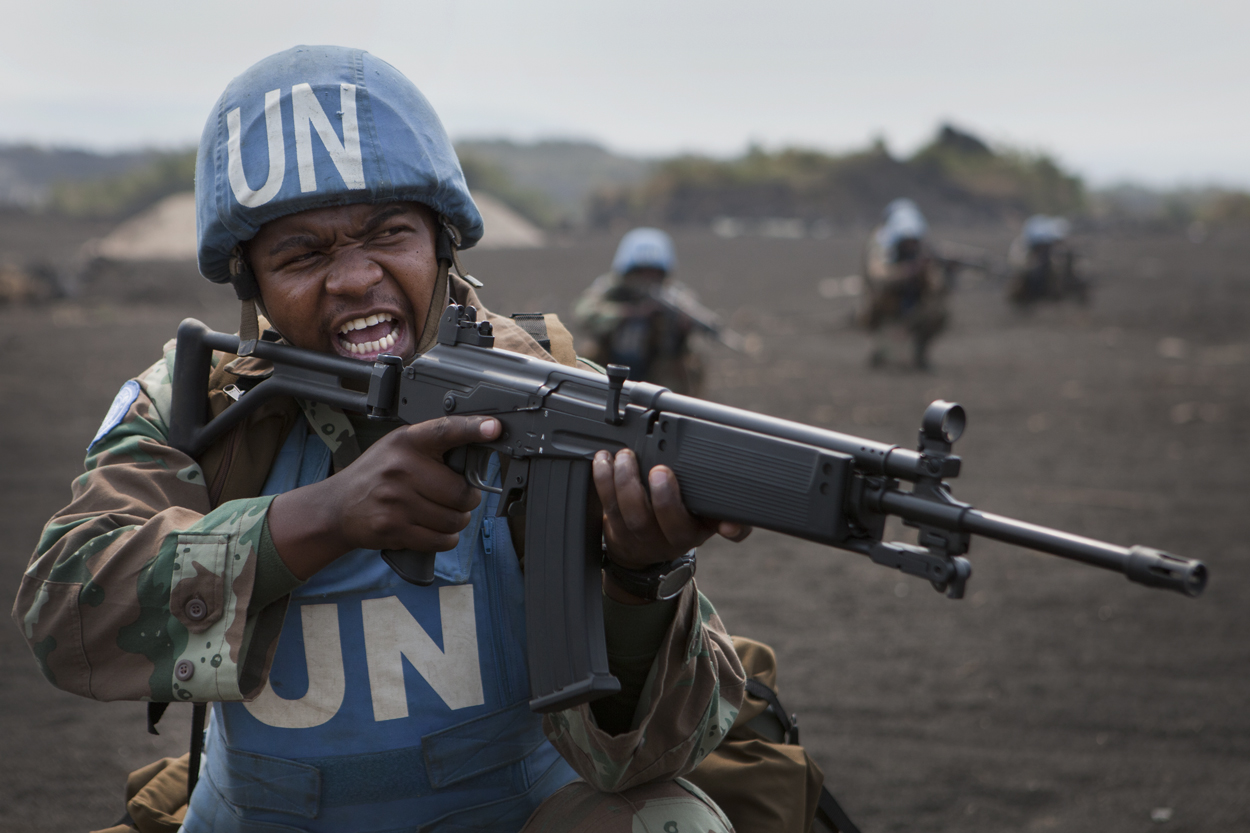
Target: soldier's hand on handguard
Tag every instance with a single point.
(641, 530)
(400, 494)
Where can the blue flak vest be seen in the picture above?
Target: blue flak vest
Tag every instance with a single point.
(389, 707)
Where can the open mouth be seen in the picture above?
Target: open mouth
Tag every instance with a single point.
(371, 335)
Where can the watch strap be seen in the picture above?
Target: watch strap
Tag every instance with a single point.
(662, 580)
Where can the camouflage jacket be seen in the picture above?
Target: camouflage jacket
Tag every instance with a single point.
(141, 571)
(884, 275)
(611, 299)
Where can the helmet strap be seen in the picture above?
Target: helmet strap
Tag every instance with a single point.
(248, 291)
(439, 299)
(448, 245)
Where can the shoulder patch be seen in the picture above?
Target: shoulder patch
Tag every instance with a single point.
(117, 411)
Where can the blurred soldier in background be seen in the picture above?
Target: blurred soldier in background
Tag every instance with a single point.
(638, 317)
(1042, 263)
(904, 286)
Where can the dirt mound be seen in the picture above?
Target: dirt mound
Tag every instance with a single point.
(166, 231)
(506, 229)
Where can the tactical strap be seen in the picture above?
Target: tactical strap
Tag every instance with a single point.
(789, 723)
(534, 323)
(155, 712)
(198, 714)
(198, 711)
(828, 811)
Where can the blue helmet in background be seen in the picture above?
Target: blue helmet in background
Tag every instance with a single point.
(1041, 229)
(901, 220)
(316, 126)
(644, 248)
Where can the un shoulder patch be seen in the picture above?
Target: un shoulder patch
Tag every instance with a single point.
(117, 411)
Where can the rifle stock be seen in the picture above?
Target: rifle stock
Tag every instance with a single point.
(732, 464)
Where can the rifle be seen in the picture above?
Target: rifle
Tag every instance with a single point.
(952, 266)
(682, 302)
(732, 465)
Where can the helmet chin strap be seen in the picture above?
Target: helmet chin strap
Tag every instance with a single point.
(438, 302)
(445, 251)
(248, 292)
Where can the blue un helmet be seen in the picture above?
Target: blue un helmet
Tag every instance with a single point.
(1041, 230)
(644, 248)
(316, 126)
(901, 220)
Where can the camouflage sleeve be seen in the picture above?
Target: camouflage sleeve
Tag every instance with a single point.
(594, 312)
(138, 590)
(690, 700)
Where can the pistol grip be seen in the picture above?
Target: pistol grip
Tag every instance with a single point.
(411, 565)
(568, 657)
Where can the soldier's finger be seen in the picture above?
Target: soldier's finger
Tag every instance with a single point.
(436, 517)
(678, 526)
(424, 540)
(615, 530)
(605, 483)
(422, 478)
(632, 498)
(438, 436)
(734, 532)
(391, 519)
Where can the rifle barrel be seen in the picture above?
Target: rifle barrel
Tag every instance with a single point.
(1153, 568)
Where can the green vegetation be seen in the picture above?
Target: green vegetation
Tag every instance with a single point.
(954, 176)
(1033, 182)
(123, 194)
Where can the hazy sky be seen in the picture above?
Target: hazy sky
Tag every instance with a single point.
(1146, 90)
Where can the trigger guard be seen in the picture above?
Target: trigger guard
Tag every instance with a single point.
(477, 463)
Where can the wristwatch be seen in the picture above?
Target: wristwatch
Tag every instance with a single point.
(658, 582)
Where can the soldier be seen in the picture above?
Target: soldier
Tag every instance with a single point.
(343, 698)
(905, 287)
(635, 315)
(1043, 264)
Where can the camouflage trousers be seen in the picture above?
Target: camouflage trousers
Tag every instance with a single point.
(661, 807)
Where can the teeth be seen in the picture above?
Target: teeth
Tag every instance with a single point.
(377, 346)
(369, 321)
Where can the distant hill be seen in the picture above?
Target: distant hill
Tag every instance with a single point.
(550, 182)
(956, 177)
(29, 174)
(1135, 204)
(86, 184)
(554, 184)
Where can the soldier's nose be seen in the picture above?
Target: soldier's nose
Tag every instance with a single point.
(353, 274)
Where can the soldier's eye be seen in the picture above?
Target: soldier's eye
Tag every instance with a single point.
(302, 259)
(389, 233)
